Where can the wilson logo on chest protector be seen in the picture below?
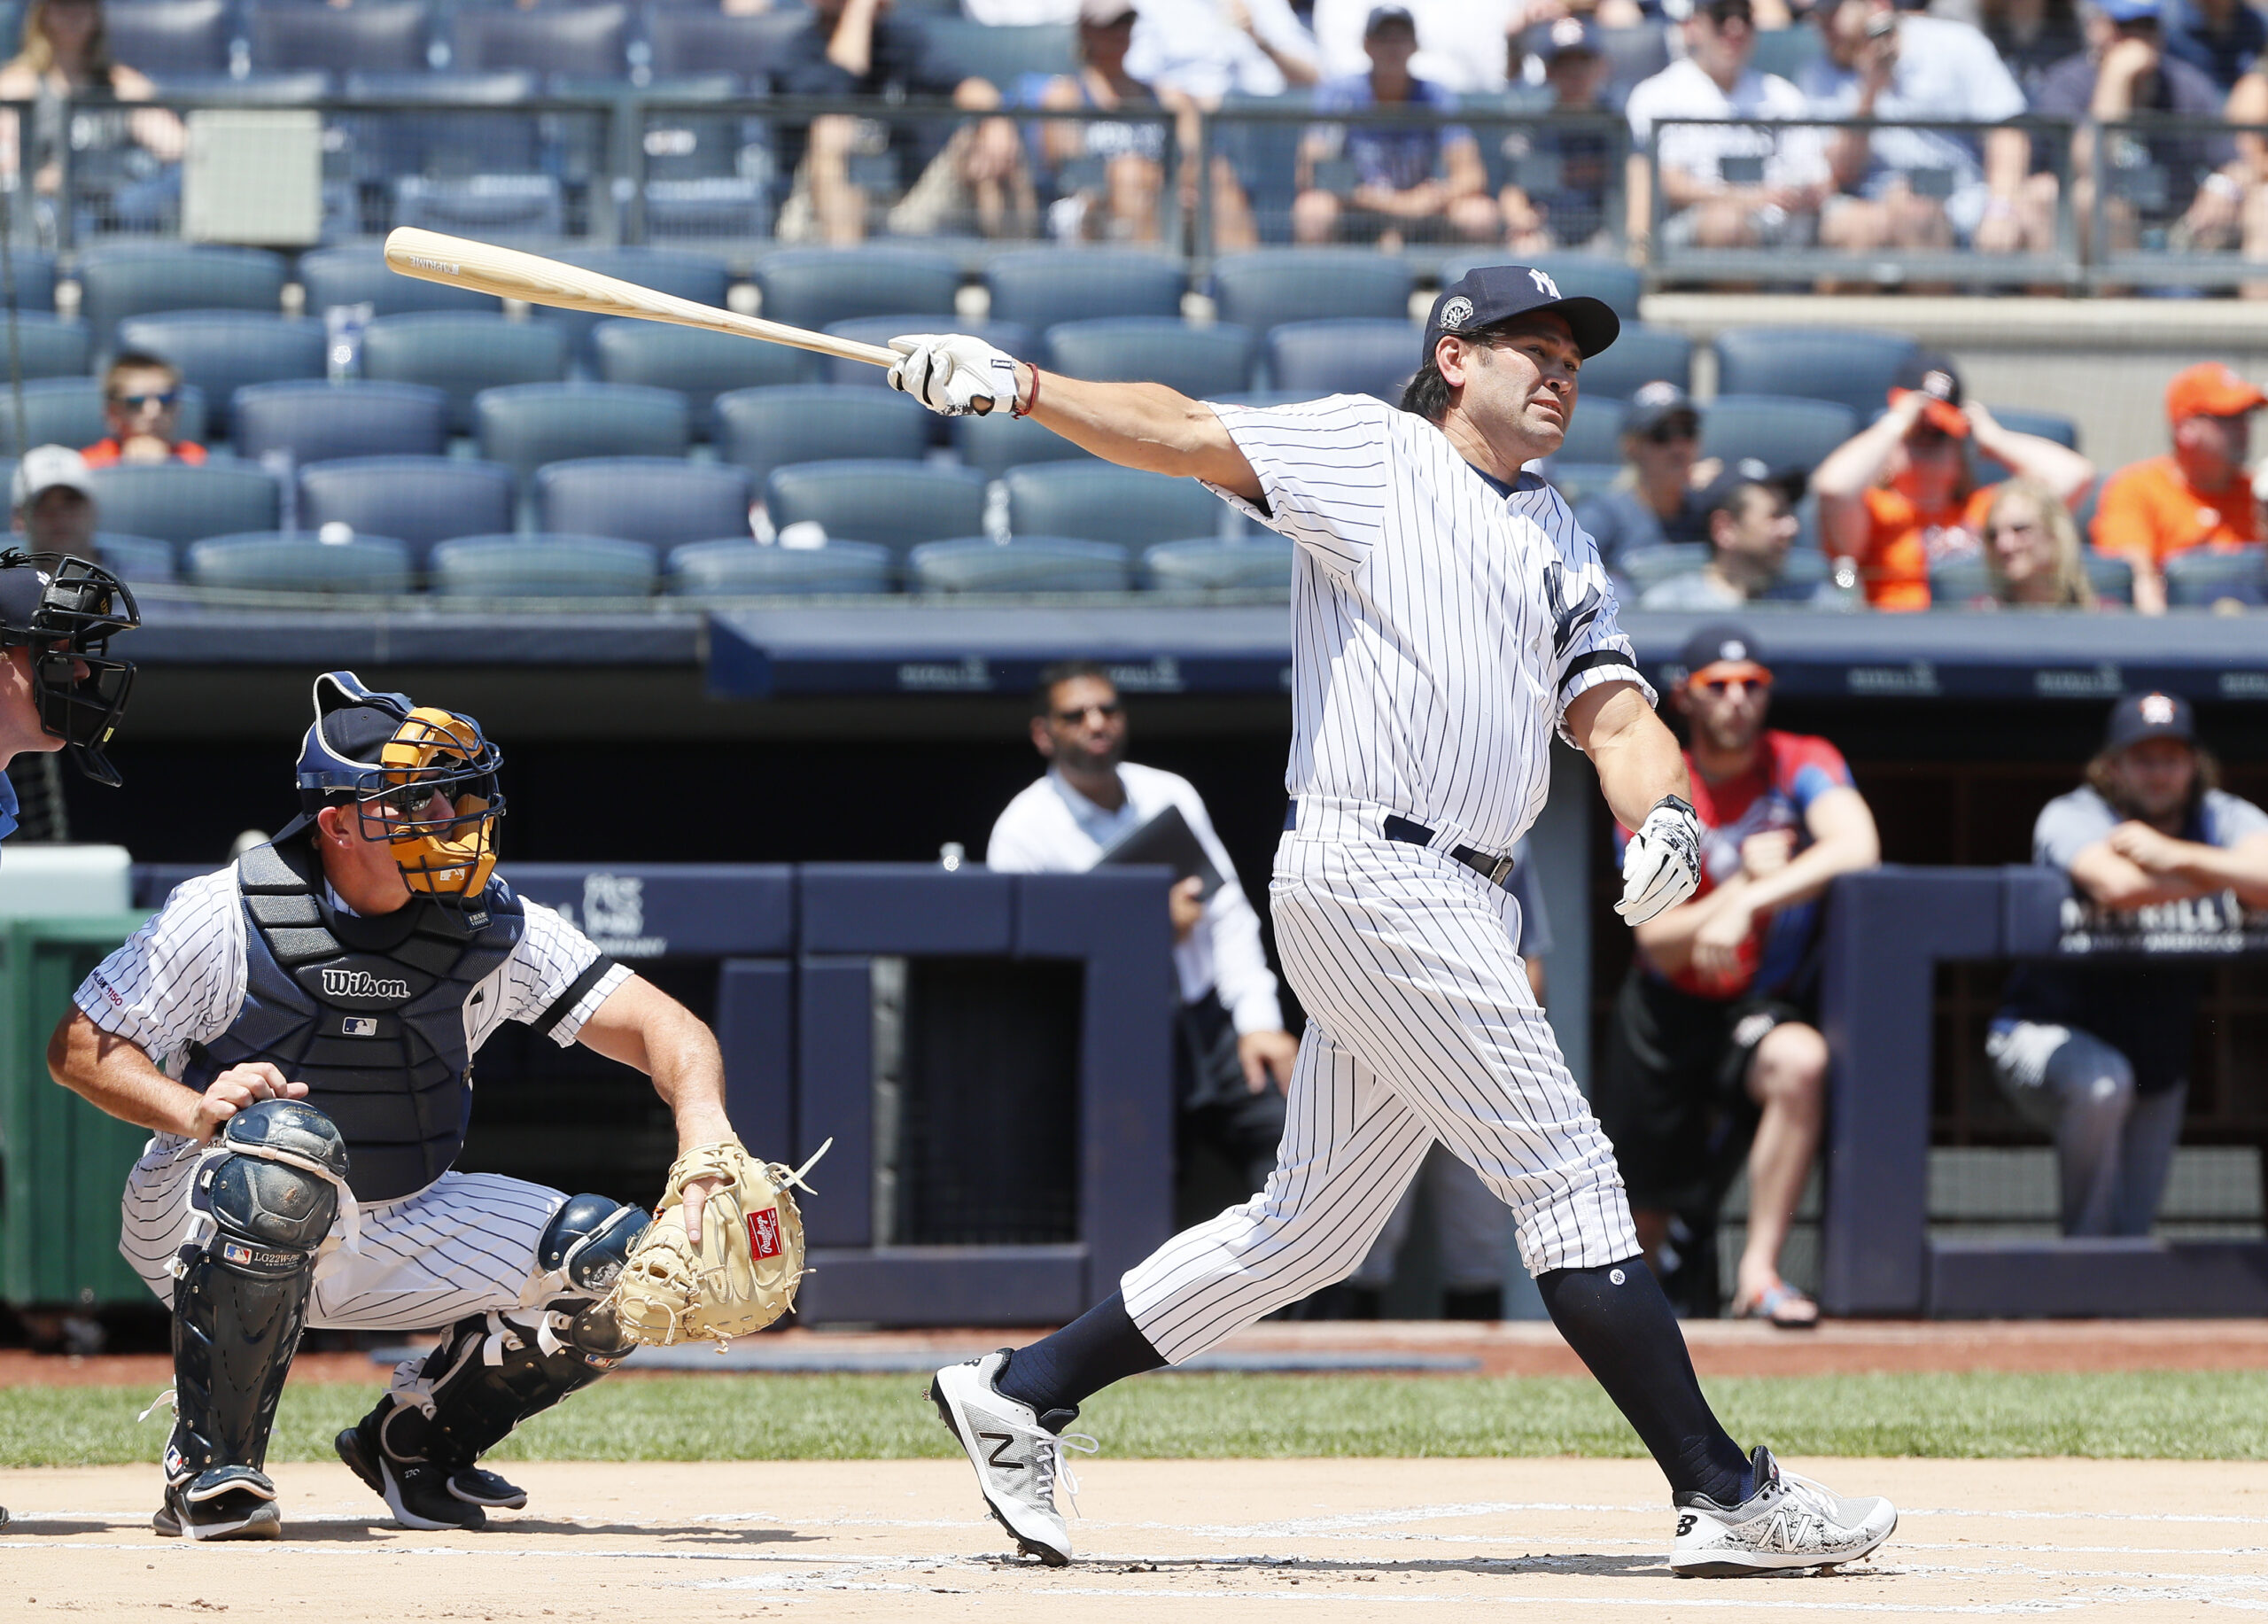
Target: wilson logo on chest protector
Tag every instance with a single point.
(363, 984)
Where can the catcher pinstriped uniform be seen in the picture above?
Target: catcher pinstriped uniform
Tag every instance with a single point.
(319, 1002)
(1448, 615)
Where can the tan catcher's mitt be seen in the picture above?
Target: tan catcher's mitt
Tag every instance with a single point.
(742, 1276)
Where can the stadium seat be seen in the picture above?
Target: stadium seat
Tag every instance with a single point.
(895, 504)
(271, 560)
(2202, 577)
(1099, 501)
(1350, 355)
(139, 561)
(526, 425)
(34, 272)
(1786, 51)
(1848, 366)
(812, 287)
(294, 88)
(492, 207)
(691, 40)
(542, 566)
(1784, 433)
(1647, 566)
(179, 502)
(1575, 480)
(1040, 287)
(1610, 281)
(698, 364)
(2047, 425)
(1259, 564)
(387, 36)
(998, 441)
(68, 411)
(663, 500)
(1956, 582)
(741, 568)
(1203, 363)
(761, 429)
(459, 157)
(46, 346)
(1265, 154)
(2110, 576)
(1271, 285)
(169, 36)
(1012, 337)
(359, 275)
(1633, 55)
(589, 39)
(1640, 356)
(997, 54)
(124, 279)
(1802, 573)
(319, 422)
(1029, 563)
(1595, 432)
(418, 500)
(689, 275)
(221, 351)
(460, 355)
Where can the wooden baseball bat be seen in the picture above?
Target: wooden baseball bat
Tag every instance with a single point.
(432, 256)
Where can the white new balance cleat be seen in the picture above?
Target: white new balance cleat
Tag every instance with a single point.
(1017, 1458)
(1790, 1523)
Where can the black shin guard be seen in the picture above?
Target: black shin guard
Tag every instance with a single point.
(493, 1373)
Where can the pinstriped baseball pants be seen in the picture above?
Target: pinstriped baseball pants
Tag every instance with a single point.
(1421, 1028)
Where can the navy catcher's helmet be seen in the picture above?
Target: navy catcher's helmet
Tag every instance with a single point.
(66, 610)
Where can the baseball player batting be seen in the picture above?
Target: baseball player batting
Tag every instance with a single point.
(1449, 616)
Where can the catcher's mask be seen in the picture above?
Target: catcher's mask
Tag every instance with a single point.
(64, 610)
(420, 778)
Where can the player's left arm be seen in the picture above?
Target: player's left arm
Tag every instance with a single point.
(2241, 868)
(643, 1027)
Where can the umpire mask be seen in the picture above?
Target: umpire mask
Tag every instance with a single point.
(64, 610)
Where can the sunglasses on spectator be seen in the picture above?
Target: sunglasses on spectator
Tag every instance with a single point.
(1665, 433)
(1757, 682)
(1078, 713)
(135, 403)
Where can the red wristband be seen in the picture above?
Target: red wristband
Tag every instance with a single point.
(1025, 411)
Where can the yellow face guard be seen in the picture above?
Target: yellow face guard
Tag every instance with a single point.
(435, 753)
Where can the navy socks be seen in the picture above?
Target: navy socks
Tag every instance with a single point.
(1102, 1346)
(1620, 1326)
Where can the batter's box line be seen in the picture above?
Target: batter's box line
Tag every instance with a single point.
(2204, 1516)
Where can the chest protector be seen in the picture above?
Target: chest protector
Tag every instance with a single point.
(369, 1013)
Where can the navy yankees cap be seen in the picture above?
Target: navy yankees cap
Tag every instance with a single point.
(1723, 491)
(1491, 293)
(2149, 716)
(1721, 644)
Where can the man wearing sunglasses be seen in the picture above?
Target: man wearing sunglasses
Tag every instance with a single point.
(1711, 1049)
(1233, 1056)
(142, 404)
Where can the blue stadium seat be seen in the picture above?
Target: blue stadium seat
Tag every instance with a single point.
(589, 39)
(662, 500)
(318, 422)
(47, 346)
(1012, 337)
(998, 441)
(692, 40)
(1787, 51)
(762, 429)
(1203, 363)
(360, 275)
(122, 279)
(2047, 425)
(666, 270)
(742, 569)
(543, 566)
(526, 425)
(169, 36)
(1802, 573)
(462, 158)
(2202, 578)
(34, 273)
(1785, 433)
(1350, 355)
(139, 561)
(898, 505)
(1575, 480)
(384, 36)
(1642, 355)
(460, 355)
(294, 88)
(1000, 55)
(1099, 501)
(494, 206)
(179, 502)
(418, 500)
(1029, 563)
(270, 561)
(1848, 366)
(1256, 564)
(1270, 285)
(1610, 281)
(1956, 582)
(698, 364)
(813, 287)
(1595, 432)
(1649, 566)
(1264, 156)
(1042, 286)
(2111, 576)
(68, 411)
(1633, 55)
(221, 351)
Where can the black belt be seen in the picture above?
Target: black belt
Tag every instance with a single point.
(1497, 870)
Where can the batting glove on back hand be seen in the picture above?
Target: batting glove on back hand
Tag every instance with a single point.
(951, 372)
(1661, 866)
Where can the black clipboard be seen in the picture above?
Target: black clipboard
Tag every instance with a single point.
(1166, 839)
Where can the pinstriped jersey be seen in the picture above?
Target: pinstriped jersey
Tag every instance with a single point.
(1441, 621)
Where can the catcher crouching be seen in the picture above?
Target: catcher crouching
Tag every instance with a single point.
(320, 1001)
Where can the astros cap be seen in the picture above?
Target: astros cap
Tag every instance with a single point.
(1491, 293)
(2210, 390)
(2148, 716)
(1932, 376)
(1723, 650)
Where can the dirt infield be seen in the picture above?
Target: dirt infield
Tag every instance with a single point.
(1359, 1539)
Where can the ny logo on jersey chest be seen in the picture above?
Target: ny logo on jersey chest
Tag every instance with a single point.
(1568, 618)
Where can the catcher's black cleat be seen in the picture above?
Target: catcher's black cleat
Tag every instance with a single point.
(475, 1486)
(227, 1502)
(418, 1491)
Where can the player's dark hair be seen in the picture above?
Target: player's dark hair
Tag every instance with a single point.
(1042, 694)
(1427, 394)
(2208, 776)
(136, 360)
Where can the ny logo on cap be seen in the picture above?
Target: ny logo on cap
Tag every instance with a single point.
(1457, 312)
(2157, 710)
(1544, 283)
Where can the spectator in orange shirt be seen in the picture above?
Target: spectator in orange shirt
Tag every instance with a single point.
(2198, 496)
(142, 404)
(1899, 495)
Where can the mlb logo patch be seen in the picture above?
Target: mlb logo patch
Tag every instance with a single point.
(764, 1233)
(359, 1026)
(235, 1253)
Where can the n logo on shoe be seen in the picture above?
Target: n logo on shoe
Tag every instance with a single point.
(1001, 1442)
(1685, 1521)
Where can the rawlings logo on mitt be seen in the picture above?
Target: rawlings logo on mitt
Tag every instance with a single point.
(742, 1274)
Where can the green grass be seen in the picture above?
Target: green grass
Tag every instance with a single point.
(2178, 1416)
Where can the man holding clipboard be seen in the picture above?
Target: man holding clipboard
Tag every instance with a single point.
(1233, 1056)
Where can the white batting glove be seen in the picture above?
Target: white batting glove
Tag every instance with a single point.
(951, 372)
(1661, 866)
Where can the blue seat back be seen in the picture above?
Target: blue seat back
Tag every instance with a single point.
(698, 364)
(589, 39)
(692, 40)
(419, 500)
(68, 411)
(117, 280)
(1640, 356)
(169, 36)
(360, 275)
(662, 500)
(543, 566)
(1348, 355)
(47, 346)
(2199, 577)
(1100, 501)
(315, 421)
(389, 35)
(741, 568)
(1257, 564)
(1203, 363)
(813, 287)
(1266, 287)
(221, 351)
(763, 429)
(1595, 432)
(180, 502)
(894, 504)
(271, 562)
(462, 354)
(526, 425)
(998, 441)
(1035, 563)
(1040, 287)
(666, 270)
(1848, 366)
(1784, 433)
